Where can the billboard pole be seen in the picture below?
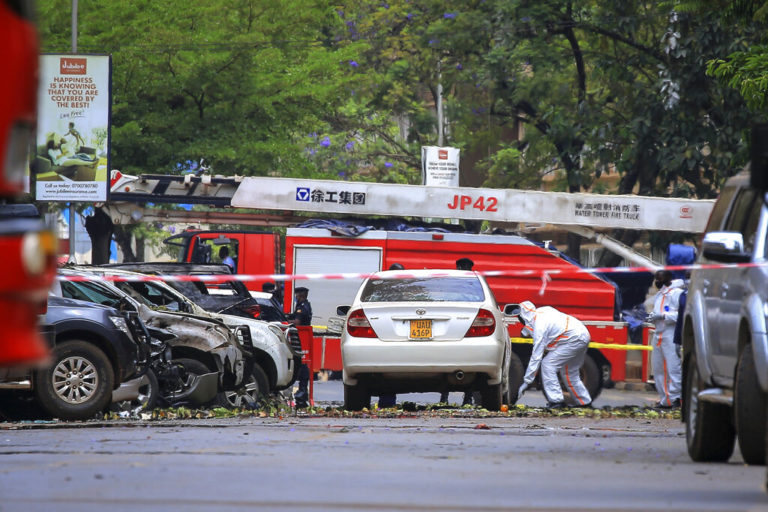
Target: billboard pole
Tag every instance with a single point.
(72, 256)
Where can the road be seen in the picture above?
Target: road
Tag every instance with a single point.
(422, 462)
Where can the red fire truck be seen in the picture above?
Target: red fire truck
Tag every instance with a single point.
(27, 247)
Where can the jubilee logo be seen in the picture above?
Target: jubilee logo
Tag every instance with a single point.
(72, 66)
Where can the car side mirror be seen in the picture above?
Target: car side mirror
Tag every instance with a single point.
(342, 310)
(512, 309)
(724, 246)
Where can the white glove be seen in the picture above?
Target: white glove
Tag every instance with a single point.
(522, 389)
(655, 317)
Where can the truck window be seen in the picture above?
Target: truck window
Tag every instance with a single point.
(744, 217)
(721, 209)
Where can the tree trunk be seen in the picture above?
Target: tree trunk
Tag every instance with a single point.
(124, 238)
(100, 228)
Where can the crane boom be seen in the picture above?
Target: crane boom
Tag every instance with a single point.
(364, 198)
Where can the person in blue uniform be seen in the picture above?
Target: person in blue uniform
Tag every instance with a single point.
(302, 315)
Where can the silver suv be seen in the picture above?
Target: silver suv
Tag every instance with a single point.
(725, 346)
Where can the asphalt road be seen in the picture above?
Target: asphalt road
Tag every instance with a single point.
(423, 462)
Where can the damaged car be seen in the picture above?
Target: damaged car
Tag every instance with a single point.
(273, 362)
(207, 343)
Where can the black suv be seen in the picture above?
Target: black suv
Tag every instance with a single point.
(96, 348)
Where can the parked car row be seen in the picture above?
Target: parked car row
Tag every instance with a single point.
(140, 343)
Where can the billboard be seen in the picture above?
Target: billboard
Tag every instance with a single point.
(71, 155)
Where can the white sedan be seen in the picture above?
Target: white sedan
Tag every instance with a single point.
(422, 331)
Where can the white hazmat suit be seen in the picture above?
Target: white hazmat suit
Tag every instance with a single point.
(667, 372)
(565, 340)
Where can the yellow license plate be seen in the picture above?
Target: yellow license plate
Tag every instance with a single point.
(421, 329)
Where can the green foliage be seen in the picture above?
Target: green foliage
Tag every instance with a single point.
(746, 71)
(349, 90)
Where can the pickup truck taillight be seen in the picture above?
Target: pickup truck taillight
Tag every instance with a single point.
(359, 326)
(483, 325)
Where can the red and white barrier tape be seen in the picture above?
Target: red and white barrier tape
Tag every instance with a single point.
(546, 274)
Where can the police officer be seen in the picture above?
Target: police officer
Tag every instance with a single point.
(302, 315)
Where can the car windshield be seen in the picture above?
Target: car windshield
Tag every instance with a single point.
(434, 289)
(89, 291)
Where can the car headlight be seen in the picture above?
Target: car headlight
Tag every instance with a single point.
(120, 323)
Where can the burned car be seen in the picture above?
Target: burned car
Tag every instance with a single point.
(273, 366)
(209, 342)
(230, 297)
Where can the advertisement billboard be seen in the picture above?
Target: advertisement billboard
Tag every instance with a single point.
(71, 156)
(440, 166)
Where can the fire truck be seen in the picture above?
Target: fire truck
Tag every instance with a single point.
(330, 259)
(27, 246)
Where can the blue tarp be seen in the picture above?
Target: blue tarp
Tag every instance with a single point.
(680, 254)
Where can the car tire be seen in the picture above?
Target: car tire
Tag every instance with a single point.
(192, 367)
(256, 387)
(516, 376)
(491, 396)
(591, 377)
(749, 410)
(356, 398)
(149, 390)
(709, 433)
(76, 365)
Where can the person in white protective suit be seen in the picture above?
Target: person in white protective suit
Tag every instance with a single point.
(667, 372)
(565, 341)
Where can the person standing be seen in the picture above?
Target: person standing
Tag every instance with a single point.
(565, 340)
(302, 315)
(667, 372)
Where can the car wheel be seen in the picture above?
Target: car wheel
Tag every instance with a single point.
(192, 367)
(248, 396)
(591, 376)
(709, 433)
(356, 397)
(749, 413)
(78, 384)
(490, 396)
(149, 390)
(516, 375)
